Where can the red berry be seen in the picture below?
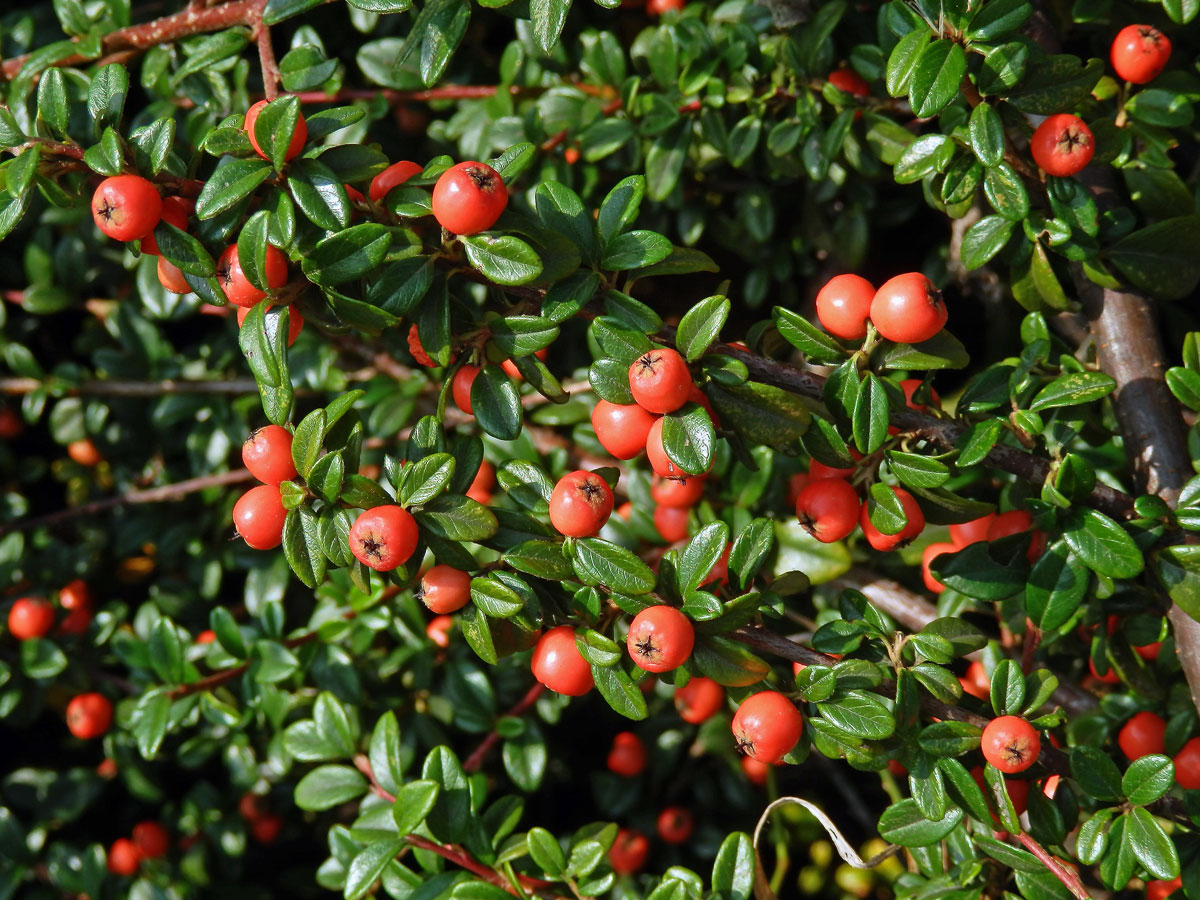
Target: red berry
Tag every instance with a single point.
(965, 533)
(625, 510)
(571, 155)
(11, 426)
(1142, 735)
(697, 396)
(682, 491)
(75, 622)
(237, 287)
(75, 594)
(299, 136)
(151, 839)
(908, 309)
(660, 638)
(558, 664)
(720, 570)
(124, 858)
(909, 386)
(622, 430)
(445, 589)
(418, 351)
(755, 771)
(699, 700)
(469, 198)
(510, 367)
(796, 483)
(84, 452)
(126, 207)
(481, 487)
(1149, 651)
(627, 756)
(175, 211)
(89, 715)
(170, 276)
(927, 556)
(265, 829)
(259, 516)
(976, 682)
(885, 542)
(1139, 53)
(295, 320)
(817, 469)
(460, 388)
(107, 768)
(1062, 145)
(438, 630)
(656, 453)
(393, 176)
(675, 825)
(660, 381)
(1187, 765)
(828, 509)
(580, 504)
(1016, 788)
(384, 537)
(630, 849)
(267, 453)
(851, 82)
(30, 617)
(662, 7)
(1010, 744)
(207, 636)
(1016, 521)
(844, 303)
(671, 522)
(1110, 675)
(767, 726)
(1161, 890)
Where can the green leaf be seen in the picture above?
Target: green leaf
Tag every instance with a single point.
(1073, 389)
(860, 714)
(449, 818)
(903, 60)
(949, 738)
(302, 546)
(727, 662)
(1057, 585)
(1101, 544)
(942, 351)
(936, 77)
(503, 258)
(996, 18)
(546, 853)
(700, 555)
(807, 338)
(414, 801)
(327, 786)
(1151, 845)
(902, 823)
(149, 722)
(454, 517)
(52, 105)
(106, 96)
(700, 326)
(620, 692)
(166, 651)
(264, 344)
(620, 207)
(1096, 773)
(496, 404)
(1055, 84)
(635, 249)
(369, 863)
(688, 439)
(1162, 259)
(985, 239)
(347, 255)
(1006, 192)
(760, 413)
(870, 416)
(1147, 779)
(734, 867)
(232, 182)
(599, 562)
(319, 193)
(1008, 688)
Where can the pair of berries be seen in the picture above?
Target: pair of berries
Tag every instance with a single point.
(829, 509)
(674, 497)
(264, 825)
(991, 527)
(259, 515)
(464, 378)
(149, 840)
(907, 309)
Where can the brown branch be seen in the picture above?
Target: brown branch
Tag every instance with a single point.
(164, 494)
(266, 60)
(475, 760)
(1069, 879)
(193, 20)
(115, 387)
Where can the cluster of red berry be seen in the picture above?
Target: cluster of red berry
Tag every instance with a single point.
(33, 617)
(907, 309)
(149, 840)
(259, 514)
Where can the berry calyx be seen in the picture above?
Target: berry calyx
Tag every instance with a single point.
(699, 700)
(844, 303)
(384, 537)
(445, 589)
(393, 176)
(660, 638)
(558, 664)
(124, 858)
(660, 381)
(30, 617)
(1142, 735)
(468, 198)
(629, 852)
(580, 504)
(1062, 145)
(89, 715)
(126, 207)
(259, 515)
(627, 756)
(621, 429)
(1139, 53)
(1010, 744)
(675, 825)
(237, 287)
(267, 453)
(299, 136)
(914, 526)
(460, 387)
(767, 726)
(908, 309)
(828, 509)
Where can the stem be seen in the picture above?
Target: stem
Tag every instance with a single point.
(163, 494)
(114, 387)
(473, 762)
(1069, 879)
(266, 60)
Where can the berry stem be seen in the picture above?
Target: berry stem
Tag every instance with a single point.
(475, 761)
(1069, 879)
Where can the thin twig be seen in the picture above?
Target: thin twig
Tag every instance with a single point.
(475, 761)
(1069, 879)
(115, 387)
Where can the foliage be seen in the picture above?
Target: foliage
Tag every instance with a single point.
(688, 181)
